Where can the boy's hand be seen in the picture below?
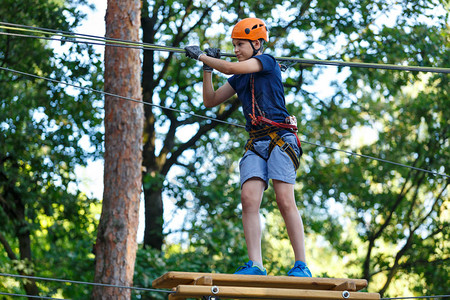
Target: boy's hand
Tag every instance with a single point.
(193, 52)
(212, 52)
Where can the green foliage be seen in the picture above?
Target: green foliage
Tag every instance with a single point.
(44, 129)
(363, 217)
(396, 211)
(151, 263)
(214, 213)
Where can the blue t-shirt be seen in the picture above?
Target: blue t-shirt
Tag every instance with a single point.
(269, 92)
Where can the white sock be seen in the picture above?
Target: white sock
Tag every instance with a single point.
(258, 264)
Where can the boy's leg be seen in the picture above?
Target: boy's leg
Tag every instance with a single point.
(251, 196)
(286, 203)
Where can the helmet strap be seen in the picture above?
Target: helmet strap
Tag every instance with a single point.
(255, 51)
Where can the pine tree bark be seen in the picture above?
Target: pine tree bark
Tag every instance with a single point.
(116, 243)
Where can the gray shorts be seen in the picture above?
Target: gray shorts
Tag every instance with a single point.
(278, 165)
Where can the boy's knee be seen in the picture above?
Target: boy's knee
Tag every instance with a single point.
(248, 199)
(251, 193)
(285, 203)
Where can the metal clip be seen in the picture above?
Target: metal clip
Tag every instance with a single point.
(285, 146)
(345, 294)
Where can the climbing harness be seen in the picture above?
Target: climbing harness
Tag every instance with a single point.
(261, 119)
(275, 140)
(272, 130)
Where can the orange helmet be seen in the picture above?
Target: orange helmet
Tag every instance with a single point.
(250, 29)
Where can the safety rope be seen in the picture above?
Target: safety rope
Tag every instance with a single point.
(254, 103)
(97, 40)
(217, 120)
(85, 283)
(121, 97)
(31, 296)
(145, 289)
(85, 38)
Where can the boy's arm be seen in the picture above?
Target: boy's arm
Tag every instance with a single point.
(251, 65)
(213, 98)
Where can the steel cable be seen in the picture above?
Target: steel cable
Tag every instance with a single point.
(217, 120)
(69, 36)
(85, 283)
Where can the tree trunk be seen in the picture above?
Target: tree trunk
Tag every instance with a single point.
(23, 234)
(153, 235)
(116, 244)
(16, 214)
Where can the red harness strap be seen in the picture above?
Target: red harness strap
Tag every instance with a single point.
(254, 103)
(263, 120)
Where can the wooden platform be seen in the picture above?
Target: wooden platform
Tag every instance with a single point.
(230, 286)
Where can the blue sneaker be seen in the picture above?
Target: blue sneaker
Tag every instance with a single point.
(300, 270)
(250, 269)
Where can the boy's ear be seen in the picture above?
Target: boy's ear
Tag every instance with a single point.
(257, 44)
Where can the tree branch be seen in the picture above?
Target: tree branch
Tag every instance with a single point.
(8, 249)
(203, 129)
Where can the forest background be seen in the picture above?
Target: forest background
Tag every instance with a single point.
(363, 218)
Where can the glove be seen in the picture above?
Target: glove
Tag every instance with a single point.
(212, 52)
(193, 52)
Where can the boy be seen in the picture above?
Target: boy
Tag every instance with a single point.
(272, 152)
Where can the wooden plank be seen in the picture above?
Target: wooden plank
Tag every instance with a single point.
(173, 279)
(204, 280)
(175, 297)
(346, 286)
(268, 293)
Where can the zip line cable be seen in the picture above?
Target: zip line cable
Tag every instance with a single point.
(97, 40)
(71, 35)
(217, 120)
(31, 296)
(63, 41)
(148, 289)
(146, 46)
(122, 97)
(85, 283)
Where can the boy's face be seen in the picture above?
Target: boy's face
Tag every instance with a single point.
(243, 49)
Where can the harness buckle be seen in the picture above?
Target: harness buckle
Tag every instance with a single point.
(285, 146)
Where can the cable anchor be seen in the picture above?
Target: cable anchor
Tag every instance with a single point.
(215, 289)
